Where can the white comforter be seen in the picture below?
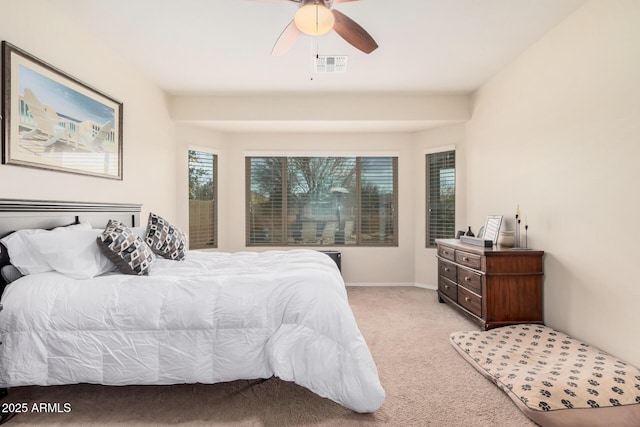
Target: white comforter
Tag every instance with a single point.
(213, 317)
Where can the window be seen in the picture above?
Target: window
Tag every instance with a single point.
(441, 196)
(202, 200)
(322, 201)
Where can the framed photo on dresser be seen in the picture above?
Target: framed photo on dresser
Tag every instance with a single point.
(492, 228)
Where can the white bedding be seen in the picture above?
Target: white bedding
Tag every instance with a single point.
(213, 317)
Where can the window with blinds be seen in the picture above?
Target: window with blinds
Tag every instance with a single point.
(322, 201)
(441, 196)
(202, 200)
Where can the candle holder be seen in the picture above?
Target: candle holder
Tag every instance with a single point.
(517, 242)
(526, 243)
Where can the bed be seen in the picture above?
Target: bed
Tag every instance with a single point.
(210, 317)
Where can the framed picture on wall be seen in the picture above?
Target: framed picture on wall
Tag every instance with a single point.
(51, 120)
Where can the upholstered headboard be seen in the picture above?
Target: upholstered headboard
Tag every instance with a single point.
(20, 214)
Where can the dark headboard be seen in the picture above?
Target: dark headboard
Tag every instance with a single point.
(20, 214)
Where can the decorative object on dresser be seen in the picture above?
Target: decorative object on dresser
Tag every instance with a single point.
(492, 228)
(507, 239)
(493, 286)
(518, 220)
(476, 241)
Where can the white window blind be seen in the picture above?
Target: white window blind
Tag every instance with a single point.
(265, 199)
(378, 200)
(441, 196)
(321, 201)
(202, 200)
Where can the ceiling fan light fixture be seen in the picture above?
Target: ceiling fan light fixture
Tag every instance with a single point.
(314, 19)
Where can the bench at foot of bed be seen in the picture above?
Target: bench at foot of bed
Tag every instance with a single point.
(556, 380)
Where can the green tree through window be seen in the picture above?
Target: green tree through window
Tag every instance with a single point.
(202, 200)
(441, 196)
(321, 201)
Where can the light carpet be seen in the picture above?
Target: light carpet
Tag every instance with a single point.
(426, 381)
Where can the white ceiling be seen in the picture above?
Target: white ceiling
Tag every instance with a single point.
(223, 46)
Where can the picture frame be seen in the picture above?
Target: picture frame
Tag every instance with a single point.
(51, 120)
(492, 228)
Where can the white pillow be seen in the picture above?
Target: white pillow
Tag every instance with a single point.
(20, 253)
(73, 253)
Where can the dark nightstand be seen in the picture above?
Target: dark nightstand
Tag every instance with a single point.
(336, 256)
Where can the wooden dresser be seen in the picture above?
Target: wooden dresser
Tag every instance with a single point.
(492, 286)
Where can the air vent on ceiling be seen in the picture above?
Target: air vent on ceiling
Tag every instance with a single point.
(331, 64)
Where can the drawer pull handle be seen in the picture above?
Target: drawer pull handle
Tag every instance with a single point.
(446, 286)
(464, 258)
(446, 269)
(446, 252)
(467, 299)
(467, 279)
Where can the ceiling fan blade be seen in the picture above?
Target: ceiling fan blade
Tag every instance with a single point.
(353, 33)
(329, 3)
(286, 39)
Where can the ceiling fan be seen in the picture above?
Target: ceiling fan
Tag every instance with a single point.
(316, 17)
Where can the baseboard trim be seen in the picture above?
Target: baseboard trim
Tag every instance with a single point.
(424, 286)
(413, 285)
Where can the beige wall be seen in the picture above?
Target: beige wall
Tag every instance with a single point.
(557, 131)
(192, 137)
(37, 27)
(411, 263)
(321, 108)
(451, 137)
(360, 265)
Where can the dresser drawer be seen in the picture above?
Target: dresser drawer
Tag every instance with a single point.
(448, 288)
(470, 280)
(470, 301)
(468, 259)
(447, 270)
(446, 252)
